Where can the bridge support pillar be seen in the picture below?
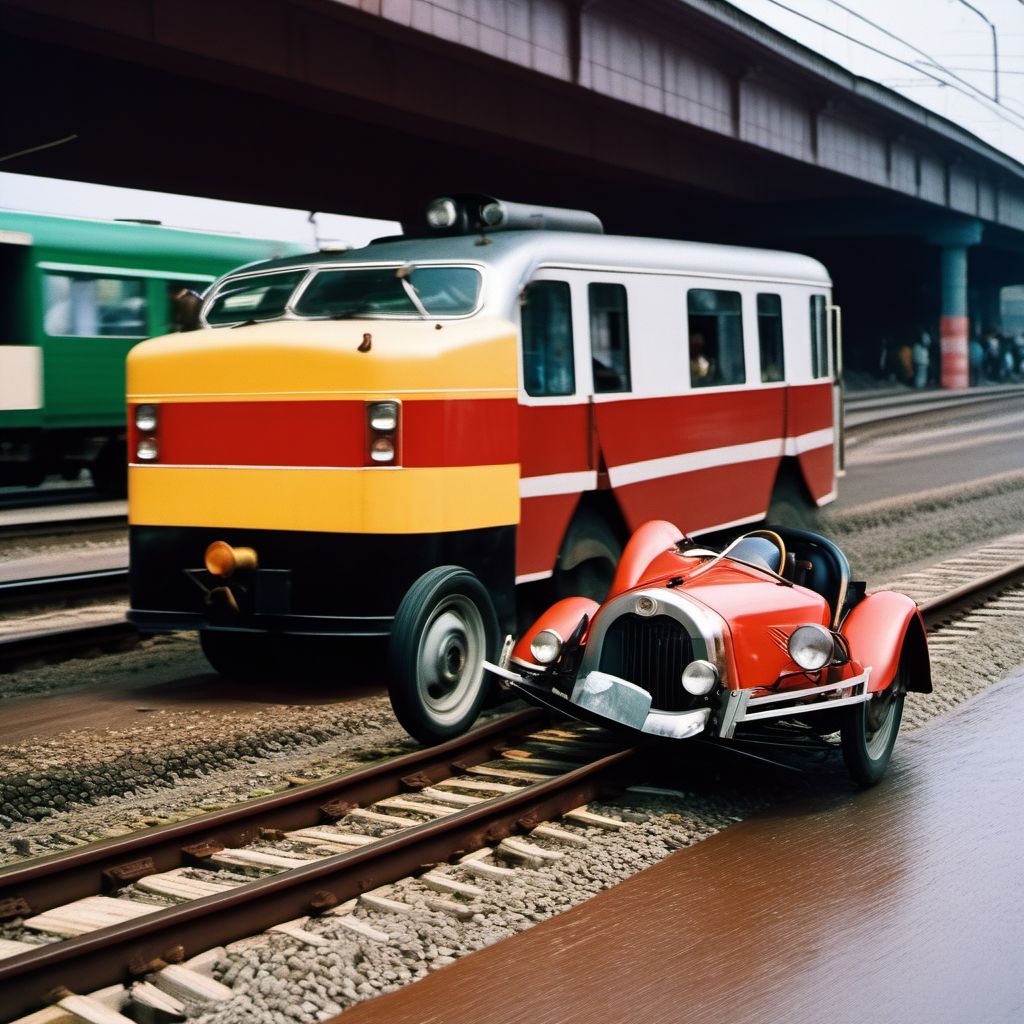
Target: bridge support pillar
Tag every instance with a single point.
(954, 321)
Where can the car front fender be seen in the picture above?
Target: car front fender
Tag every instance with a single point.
(882, 628)
(562, 617)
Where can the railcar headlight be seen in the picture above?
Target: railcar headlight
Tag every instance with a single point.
(442, 213)
(145, 418)
(382, 450)
(811, 646)
(546, 646)
(146, 450)
(384, 416)
(700, 677)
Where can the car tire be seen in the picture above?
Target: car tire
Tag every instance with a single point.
(444, 629)
(242, 656)
(868, 731)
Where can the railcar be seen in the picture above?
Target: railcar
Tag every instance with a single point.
(387, 442)
(75, 296)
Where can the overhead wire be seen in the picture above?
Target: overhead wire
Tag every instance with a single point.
(1014, 119)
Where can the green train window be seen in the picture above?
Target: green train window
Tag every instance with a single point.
(87, 306)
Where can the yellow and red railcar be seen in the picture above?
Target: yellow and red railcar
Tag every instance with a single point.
(386, 442)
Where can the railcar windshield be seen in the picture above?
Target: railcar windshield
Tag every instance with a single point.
(383, 292)
(258, 297)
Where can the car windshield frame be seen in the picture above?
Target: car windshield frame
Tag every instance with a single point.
(312, 271)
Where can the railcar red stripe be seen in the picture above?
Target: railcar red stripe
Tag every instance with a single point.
(464, 432)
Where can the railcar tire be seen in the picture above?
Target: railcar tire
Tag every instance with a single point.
(868, 731)
(588, 560)
(444, 629)
(243, 656)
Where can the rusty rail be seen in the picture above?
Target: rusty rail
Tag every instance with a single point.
(115, 954)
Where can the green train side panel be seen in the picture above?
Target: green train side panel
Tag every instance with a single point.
(83, 377)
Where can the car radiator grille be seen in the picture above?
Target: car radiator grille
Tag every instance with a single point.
(652, 653)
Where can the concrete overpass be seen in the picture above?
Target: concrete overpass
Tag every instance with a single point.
(672, 117)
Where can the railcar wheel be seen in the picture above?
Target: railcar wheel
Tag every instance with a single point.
(238, 655)
(869, 730)
(588, 560)
(444, 629)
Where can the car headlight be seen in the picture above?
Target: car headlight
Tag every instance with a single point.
(700, 677)
(546, 646)
(811, 646)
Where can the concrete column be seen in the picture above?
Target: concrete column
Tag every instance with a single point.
(954, 324)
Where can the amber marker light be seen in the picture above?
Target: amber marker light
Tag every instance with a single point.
(223, 560)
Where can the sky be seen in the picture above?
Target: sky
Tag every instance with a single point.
(80, 199)
(939, 39)
(947, 31)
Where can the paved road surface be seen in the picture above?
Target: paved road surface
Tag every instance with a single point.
(903, 904)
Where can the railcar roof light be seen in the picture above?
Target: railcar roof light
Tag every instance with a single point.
(442, 214)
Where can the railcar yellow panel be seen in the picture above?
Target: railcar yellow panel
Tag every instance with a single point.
(293, 360)
(373, 500)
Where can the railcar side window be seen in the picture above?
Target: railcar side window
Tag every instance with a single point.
(769, 334)
(716, 338)
(547, 339)
(819, 337)
(85, 306)
(609, 336)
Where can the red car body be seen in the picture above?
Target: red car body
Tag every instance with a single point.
(736, 611)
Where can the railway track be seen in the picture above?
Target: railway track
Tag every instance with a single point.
(124, 913)
(34, 640)
(126, 907)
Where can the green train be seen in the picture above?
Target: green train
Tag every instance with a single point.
(75, 296)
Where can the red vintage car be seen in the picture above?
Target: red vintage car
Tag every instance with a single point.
(767, 641)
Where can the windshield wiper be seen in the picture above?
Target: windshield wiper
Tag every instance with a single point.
(403, 273)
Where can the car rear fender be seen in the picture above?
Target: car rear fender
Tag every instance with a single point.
(647, 542)
(562, 617)
(882, 628)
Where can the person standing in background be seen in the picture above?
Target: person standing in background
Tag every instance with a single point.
(921, 356)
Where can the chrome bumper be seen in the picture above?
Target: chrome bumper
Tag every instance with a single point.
(740, 706)
(598, 696)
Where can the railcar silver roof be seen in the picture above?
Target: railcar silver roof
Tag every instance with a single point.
(517, 253)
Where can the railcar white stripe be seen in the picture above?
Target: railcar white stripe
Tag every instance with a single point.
(674, 465)
(557, 483)
(808, 442)
(533, 577)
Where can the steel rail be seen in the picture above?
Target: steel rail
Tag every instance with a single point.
(116, 953)
(935, 607)
(94, 583)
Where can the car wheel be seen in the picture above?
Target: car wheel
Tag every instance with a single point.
(238, 655)
(444, 629)
(869, 730)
